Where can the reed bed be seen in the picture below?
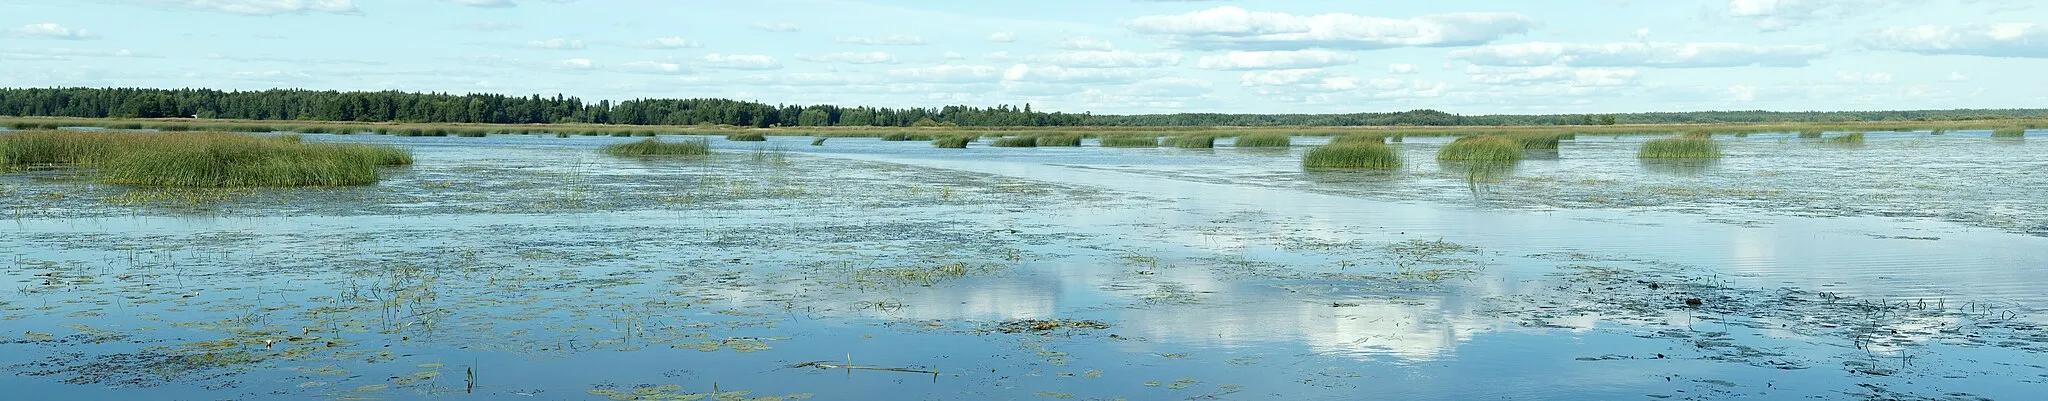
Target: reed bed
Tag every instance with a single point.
(953, 141)
(1538, 141)
(206, 160)
(747, 137)
(1810, 134)
(1680, 148)
(1265, 140)
(1359, 138)
(1359, 155)
(1060, 140)
(1853, 137)
(2009, 132)
(1016, 142)
(1130, 141)
(1481, 148)
(655, 147)
(1192, 141)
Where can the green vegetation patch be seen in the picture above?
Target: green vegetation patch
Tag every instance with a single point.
(952, 142)
(1853, 137)
(1361, 155)
(2009, 132)
(1130, 141)
(1016, 142)
(747, 137)
(1680, 148)
(1060, 140)
(655, 147)
(205, 160)
(1192, 141)
(1481, 148)
(1265, 140)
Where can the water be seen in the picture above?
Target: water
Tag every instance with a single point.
(551, 272)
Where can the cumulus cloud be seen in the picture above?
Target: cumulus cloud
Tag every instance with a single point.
(1095, 59)
(1058, 74)
(258, 7)
(888, 40)
(1772, 15)
(1642, 54)
(2011, 39)
(1003, 37)
(1956, 76)
(1312, 79)
(576, 64)
(654, 67)
(1084, 43)
(1236, 28)
(484, 3)
(1863, 78)
(556, 44)
(777, 27)
(849, 57)
(1274, 60)
(1401, 68)
(51, 31)
(738, 62)
(669, 43)
(947, 74)
(1552, 74)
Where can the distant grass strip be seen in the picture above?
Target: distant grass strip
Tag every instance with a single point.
(201, 160)
(655, 147)
(952, 142)
(1540, 141)
(1809, 134)
(1016, 142)
(1680, 148)
(1481, 148)
(1360, 155)
(1130, 141)
(747, 137)
(1060, 140)
(2009, 132)
(1265, 140)
(1853, 137)
(1359, 138)
(1192, 141)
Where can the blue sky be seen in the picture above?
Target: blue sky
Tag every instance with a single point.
(1105, 56)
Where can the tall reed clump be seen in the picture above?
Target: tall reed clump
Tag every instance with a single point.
(1361, 155)
(747, 137)
(1192, 141)
(1938, 131)
(1810, 134)
(2009, 132)
(1680, 148)
(203, 159)
(655, 147)
(1538, 141)
(1060, 140)
(1016, 142)
(952, 141)
(1130, 141)
(895, 136)
(1481, 148)
(1359, 138)
(1265, 140)
(1853, 137)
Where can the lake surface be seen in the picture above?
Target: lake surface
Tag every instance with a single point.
(517, 267)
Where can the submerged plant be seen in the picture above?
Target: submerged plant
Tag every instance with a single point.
(655, 147)
(1364, 155)
(1477, 148)
(1266, 140)
(1680, 148)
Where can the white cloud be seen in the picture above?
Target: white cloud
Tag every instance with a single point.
(485, 3)
(1772, 15)
(1311, 79)
(556, 44)
(1401, 68)
(51, 31)
(1084, 43)
(1863, 78)
(1552, 74)
(1236, 28)
(738, 62)
(889, 40)
(1095, 59)
(258, 7)
(777, 27)
(1003, 37)
(1956, 76)
(576, 64)
(947, 74)
(849, 57)
(654, 67)
(489, 26)
(669, 43)
(1642, 54)
(1058, 74)
(2012, 39)
(1274, 60)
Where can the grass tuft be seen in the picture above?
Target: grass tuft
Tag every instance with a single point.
(2009, 132)
(1130, 141)
(1540, 141)
(1680, 148)
(1192, 141)
(1363, 155)
(202, 159)
(747, 137)
(1016, 142)
(1481, 148)
(952, 142)
(655, 147)
(1060, 140)
(1853, 137)
(1359, 138)
(1265, 140)
(1809, 134)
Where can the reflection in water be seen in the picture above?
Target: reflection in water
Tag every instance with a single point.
(1680, 167)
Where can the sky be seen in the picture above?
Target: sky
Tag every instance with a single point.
(1101, 56)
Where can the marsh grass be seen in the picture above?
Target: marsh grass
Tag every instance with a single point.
(1538, 141)
(1192, 141)
(747, 137)
(1361, 155)
(1359, 138)
(1481, 148)
(1016, 142)
(655, 147)
(1060, 140)
(2009, 132)
(207, 160)
(1938, 131)
(819, 141)
(1810, 134)
(952, 141)
(1130, 141)
(1853, 137)
(895, 136)
(1680, 148)
(1265, 140)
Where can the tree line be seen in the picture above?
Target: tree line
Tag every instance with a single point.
(394, 106)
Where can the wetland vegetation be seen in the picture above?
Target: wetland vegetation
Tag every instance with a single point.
(200, 159)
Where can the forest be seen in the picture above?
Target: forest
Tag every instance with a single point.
(393, 106)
